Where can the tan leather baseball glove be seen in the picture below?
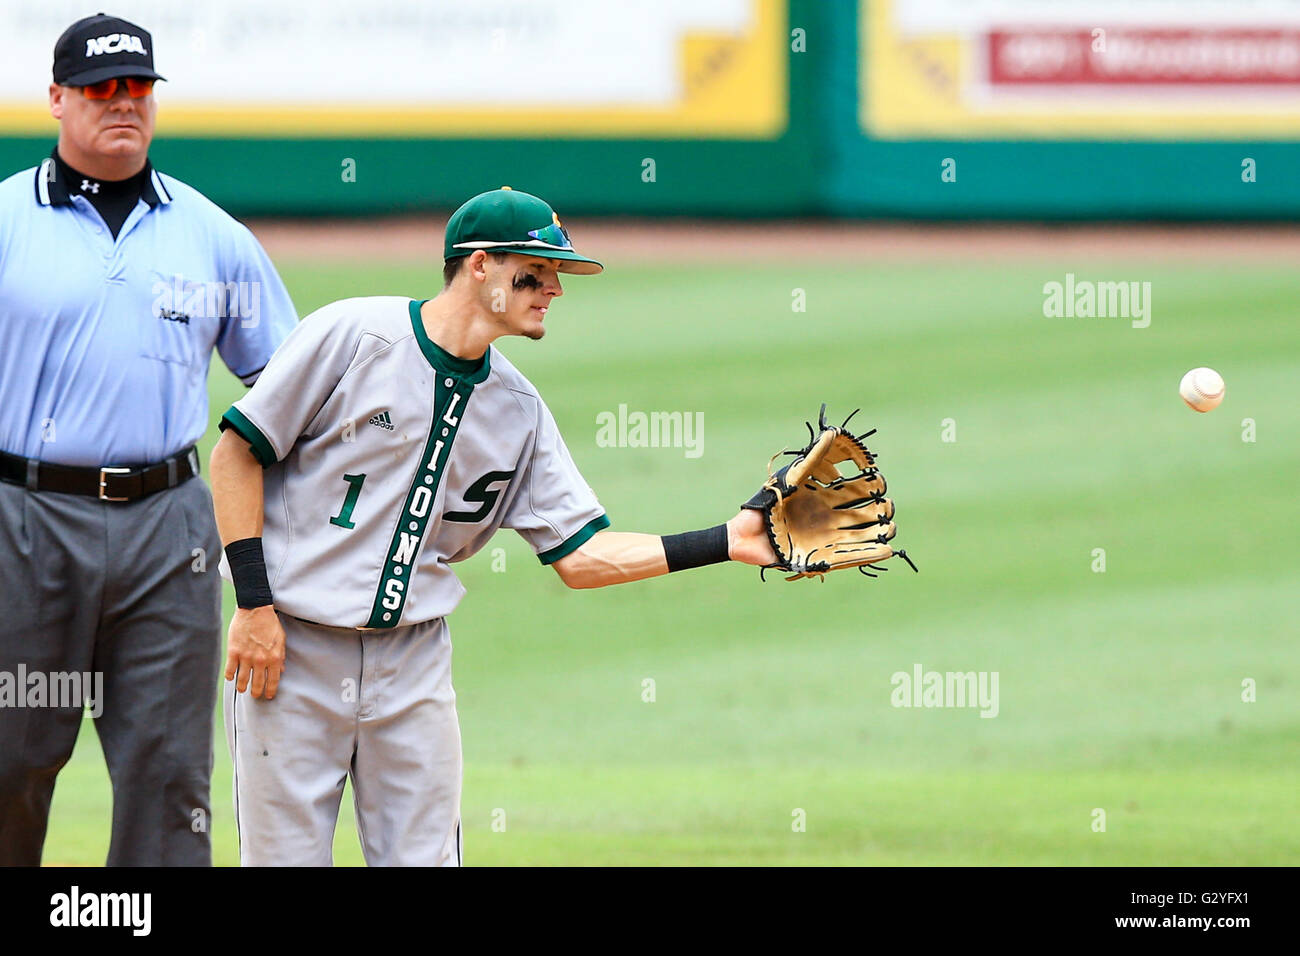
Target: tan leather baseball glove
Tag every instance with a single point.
(826, 510)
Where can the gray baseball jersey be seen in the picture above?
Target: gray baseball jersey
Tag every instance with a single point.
(388, 459)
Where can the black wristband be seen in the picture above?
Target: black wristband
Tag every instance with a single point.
(248, 571)
(693, 549)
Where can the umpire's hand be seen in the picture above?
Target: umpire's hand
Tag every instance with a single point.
(255, 650)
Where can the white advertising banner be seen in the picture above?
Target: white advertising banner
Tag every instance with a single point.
(1109, 69)
(433, 65)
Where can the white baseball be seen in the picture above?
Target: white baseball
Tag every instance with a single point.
(1202, 389)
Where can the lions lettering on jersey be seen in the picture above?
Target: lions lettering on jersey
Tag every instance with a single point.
(387, 610)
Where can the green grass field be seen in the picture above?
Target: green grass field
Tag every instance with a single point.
(1119, 690)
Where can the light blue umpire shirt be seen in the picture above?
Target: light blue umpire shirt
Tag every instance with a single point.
(105, 344)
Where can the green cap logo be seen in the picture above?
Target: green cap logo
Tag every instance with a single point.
(506, 220)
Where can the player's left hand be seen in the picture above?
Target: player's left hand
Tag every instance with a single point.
(747, 539)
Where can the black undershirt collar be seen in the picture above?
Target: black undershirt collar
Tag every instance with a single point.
(113, 199)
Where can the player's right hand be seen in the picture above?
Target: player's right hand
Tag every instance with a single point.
(255, 651)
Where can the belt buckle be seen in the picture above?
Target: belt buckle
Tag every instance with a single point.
(103, 482)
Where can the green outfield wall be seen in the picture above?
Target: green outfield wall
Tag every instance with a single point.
(821, 163)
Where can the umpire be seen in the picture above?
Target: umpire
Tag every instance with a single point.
(116, 283)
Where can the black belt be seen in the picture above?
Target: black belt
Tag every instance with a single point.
(110, 483)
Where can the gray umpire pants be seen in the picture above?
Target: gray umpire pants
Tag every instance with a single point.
(127, 592)
(376, 705)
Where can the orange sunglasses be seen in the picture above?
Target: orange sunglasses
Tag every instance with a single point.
(107, 89)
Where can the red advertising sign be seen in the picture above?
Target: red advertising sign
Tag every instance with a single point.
(1144, 57)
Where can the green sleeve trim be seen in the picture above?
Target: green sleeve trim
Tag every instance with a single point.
(575, 541)
(261, 448)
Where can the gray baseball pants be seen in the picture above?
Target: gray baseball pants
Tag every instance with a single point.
(375, 705)
(129, 593)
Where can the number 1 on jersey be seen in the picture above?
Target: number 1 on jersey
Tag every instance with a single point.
(344, 518)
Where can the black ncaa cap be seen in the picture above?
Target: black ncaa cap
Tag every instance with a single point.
(100, 48)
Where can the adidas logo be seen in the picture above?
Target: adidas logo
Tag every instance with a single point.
(382, 420)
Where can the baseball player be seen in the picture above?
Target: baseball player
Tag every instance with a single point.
(116, 283)
(387, 440)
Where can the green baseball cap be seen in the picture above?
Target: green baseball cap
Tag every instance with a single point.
(507, 220)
